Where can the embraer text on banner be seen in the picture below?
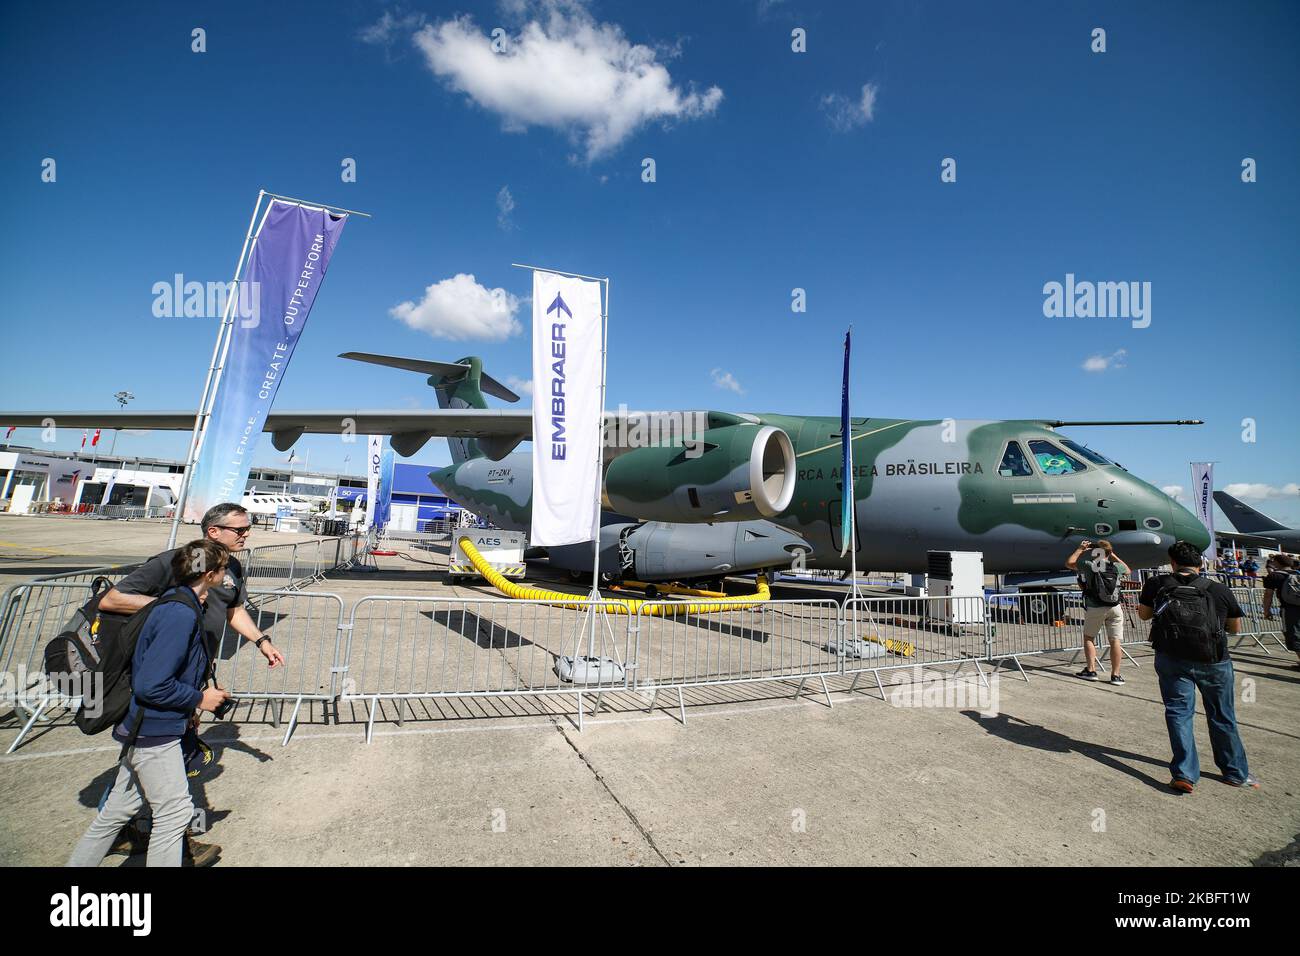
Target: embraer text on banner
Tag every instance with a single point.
(566, 408)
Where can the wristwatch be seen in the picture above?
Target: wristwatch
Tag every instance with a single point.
(258, 642)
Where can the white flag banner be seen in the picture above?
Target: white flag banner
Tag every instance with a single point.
(374, 457)
(566, 408)
(1203, 501)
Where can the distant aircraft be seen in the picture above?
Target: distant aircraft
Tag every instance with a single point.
(1250, 522)
(766, 487)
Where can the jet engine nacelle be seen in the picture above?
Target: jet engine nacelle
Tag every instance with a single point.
(735, 473)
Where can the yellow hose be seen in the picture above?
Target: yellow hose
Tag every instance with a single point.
(673, 589)
(618, 606)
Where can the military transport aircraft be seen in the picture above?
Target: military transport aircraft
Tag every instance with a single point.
(758, 491)
(1257, 526)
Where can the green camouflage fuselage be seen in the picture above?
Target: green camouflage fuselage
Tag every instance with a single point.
(919, 486)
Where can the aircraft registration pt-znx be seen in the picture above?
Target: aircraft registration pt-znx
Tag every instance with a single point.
(757, 489)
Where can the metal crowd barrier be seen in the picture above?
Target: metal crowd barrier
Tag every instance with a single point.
(31, 614)
(389, 651)
(401, 649)
(307, 628)
(772, 641)
(1254, 624)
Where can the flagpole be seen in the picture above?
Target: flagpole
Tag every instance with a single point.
(208, 386)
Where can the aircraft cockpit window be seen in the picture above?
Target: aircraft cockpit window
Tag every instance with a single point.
(1087, 453)
(1052, 461)
(1014, 463)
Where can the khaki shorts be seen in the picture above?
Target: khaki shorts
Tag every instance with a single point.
(1099, 619)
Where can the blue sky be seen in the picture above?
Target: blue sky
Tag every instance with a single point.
(1115, 166)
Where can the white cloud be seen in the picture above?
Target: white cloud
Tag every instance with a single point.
(846, 113)
(1173, 491)
(389, 27)
(521, 386)
(459, 308)
(505, 206)
(1104, 363)
(1259, 492)
(726, 380)
(565, 71)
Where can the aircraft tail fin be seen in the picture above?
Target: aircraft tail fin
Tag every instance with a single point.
(1245, 518)
(458, 384)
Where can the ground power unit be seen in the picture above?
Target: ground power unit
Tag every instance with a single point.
(958, 578)
(504, 550)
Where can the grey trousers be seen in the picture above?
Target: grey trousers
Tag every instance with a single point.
(153, 774)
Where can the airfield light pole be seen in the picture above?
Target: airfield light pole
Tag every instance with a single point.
(122, 399)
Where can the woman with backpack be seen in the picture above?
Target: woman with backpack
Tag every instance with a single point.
(170, 667)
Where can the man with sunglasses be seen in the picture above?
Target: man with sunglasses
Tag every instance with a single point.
(228, 524)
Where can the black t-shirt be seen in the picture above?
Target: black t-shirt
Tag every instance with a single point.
(154, 578)
(1225, 603)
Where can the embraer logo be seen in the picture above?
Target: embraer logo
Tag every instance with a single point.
(559, 450)
(75, 909)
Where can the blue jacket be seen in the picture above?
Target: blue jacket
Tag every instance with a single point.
(168, 671)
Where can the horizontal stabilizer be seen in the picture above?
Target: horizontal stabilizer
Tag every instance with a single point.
(447, 370)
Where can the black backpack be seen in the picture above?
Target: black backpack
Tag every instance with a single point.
(1188, 624)
(1102, 586)
(75, 649)
(1288, 591)
(108, 695)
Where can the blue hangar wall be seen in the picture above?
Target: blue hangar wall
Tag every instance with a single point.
(411, 486)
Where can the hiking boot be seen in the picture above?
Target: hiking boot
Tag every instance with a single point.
(1117, 680)
(1087, 674)
(199, 854)
(1181, 785)
(130, 842)
(1251, 781)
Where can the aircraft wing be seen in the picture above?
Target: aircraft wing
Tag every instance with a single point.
(409, 428)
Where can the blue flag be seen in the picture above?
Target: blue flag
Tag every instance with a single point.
(846, 466)
(286, 267)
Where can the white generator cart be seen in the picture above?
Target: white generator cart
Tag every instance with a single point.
(504, 550)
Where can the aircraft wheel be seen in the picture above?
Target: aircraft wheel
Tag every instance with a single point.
(1044, 607)
(651, 593)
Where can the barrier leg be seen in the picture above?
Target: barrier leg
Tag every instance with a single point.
(799, 690)
(580, 706)
(653, 697)
(879, 685)
(853, 686)
(681, 705)
(36, 714)
(293, 722)
(274, 706)
(401, 711)
(373, 705)
(826, 692)
(595, 710)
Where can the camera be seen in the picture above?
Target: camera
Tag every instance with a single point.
(225, 707)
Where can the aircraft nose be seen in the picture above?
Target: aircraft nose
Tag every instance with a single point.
(1187, 527)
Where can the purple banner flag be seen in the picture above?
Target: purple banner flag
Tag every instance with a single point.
(287, 264)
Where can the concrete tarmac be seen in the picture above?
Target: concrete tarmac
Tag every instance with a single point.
(1061, 772)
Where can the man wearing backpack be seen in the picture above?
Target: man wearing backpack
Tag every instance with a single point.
(169, 672)
(1101, 576)
(1191, 617)
(1282, 583)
